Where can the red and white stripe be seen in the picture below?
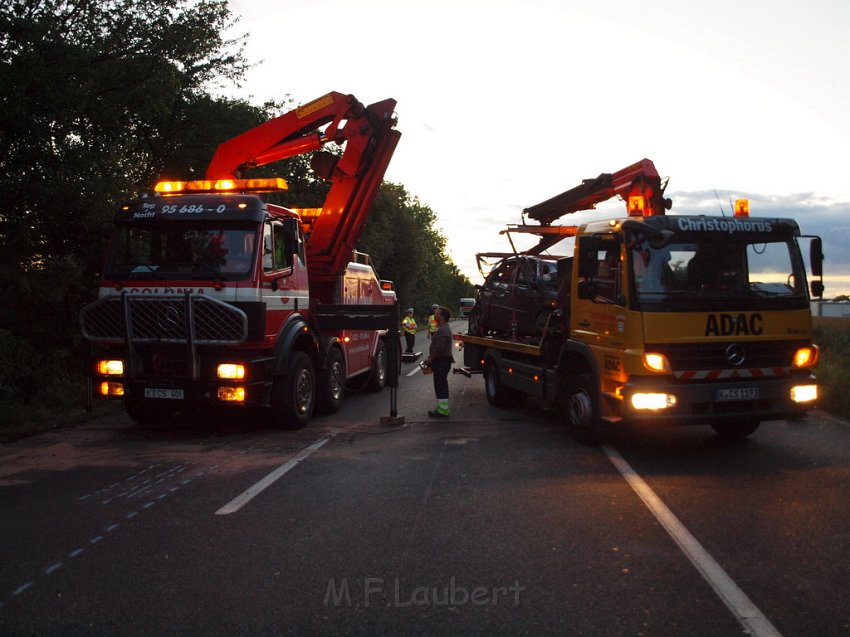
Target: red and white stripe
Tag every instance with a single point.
(723, 374)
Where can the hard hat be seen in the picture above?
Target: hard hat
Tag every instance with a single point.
(435, 306)
(408, 310)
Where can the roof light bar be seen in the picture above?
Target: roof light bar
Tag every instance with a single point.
(268, 184)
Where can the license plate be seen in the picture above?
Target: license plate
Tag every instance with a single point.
(738, 393)
(159, 392)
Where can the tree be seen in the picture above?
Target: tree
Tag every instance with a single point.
(415, 260)
(97, 98)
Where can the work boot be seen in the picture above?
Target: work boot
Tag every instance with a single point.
(437, 414)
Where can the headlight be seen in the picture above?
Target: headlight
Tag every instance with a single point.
(656, 362)
(806, 356)
(110, 368)
(231, 371)
(804, 393)
(653, 401)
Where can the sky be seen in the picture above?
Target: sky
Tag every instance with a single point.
(505, 103)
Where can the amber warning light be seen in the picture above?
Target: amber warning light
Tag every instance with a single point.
(269, 184)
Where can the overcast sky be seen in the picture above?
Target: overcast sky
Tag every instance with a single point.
(505, 103)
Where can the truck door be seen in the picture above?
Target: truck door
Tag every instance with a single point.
(599, 313)
(282, 284)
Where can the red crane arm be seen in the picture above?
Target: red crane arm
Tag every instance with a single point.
(641, 178)
(369, 139)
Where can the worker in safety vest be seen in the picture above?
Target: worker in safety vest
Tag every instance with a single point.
(432, 321)
(408, 326)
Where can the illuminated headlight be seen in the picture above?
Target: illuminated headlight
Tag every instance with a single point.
(111, 389)
(656, 362)
(653, 401)
(806, 356)
(231, 371)
(231, 394)
(110, 368)
(804, 393)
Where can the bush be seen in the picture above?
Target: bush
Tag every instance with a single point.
(35, 387)
(833, 372)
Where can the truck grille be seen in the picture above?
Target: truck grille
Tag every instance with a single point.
(192, 318)
(761, 354)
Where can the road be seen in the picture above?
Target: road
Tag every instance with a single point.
(494, 522)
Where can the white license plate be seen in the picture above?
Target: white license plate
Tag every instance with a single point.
(158, 392)
(738, 393)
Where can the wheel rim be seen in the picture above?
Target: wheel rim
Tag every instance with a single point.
(303, 391)
(580, 409)
(382, 365)
(336, 380)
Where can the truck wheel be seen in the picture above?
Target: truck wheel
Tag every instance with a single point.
(497, 394)
(294, 395)
(735, 430)
(331, 384)
(582, 410)
(378, 377)
(148, 413)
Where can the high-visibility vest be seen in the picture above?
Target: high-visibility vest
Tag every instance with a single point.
(432, 324)
(408, 324)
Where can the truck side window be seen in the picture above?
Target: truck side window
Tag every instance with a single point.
(274, 252)
(608, 273)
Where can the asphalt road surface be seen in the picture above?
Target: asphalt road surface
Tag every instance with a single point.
(494, 522)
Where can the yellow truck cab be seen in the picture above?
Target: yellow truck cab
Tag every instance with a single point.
(669, 319)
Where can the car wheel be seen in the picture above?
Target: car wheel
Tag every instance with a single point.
(474, 328)
(331, 384)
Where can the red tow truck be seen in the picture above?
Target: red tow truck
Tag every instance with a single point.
(213, 298)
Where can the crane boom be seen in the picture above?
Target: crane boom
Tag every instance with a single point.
(369, 140)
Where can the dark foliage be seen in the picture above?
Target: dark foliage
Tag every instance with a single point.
(98, 99)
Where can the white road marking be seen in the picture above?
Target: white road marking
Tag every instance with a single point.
(22, 588)
(244, 498)
(750, 617)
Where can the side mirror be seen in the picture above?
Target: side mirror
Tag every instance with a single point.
(817, 289)
(816, 256)
(290, 237)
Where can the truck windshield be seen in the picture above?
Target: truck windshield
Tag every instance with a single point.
(705, 275)
(187, 251)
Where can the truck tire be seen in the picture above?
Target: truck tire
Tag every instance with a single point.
(378, 375)
(331, 384)
(148, 413)
(582, 410)
(735, 430)
(497, 394)
(294, 395)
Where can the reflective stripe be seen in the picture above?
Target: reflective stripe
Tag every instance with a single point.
(722, 374)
